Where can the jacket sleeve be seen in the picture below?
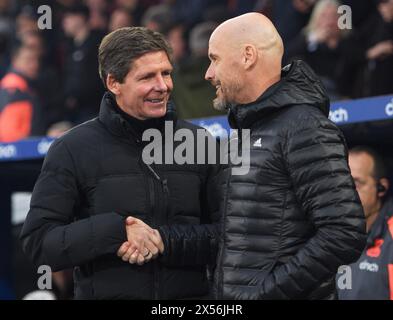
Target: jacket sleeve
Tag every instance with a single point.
(192, 245)
(316, 161)
(51, 234)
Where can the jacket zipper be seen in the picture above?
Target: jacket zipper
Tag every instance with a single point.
(164, 185)
(152, 197)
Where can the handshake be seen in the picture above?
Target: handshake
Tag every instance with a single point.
(143, 243)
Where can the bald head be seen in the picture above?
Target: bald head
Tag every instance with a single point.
(250, 28)
(245, 54)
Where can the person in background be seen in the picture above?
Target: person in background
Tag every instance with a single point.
(372, 273)
(376, 39)
(20, 109)
(82, 86)
(7, 26)
(290, 16)
(192, 95)
(158, 18)
(26, 21)
(175, 34)
(120, 18)
(329, 50)
(98, 14)
(47, 83)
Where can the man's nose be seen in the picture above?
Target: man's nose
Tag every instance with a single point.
(160, 84)
(209, 73)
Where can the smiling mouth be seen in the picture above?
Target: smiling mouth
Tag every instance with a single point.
(155, 101)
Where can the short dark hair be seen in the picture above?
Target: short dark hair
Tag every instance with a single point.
(379, 170)
(119, 49)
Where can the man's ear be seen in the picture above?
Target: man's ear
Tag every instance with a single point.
(112, 84)
(384, 186)
(250, 56)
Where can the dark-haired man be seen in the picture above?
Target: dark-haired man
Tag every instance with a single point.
(94, 177)
(371, 276)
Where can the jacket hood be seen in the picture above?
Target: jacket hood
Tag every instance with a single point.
(299, 85)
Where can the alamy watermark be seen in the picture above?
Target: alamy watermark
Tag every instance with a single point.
(345, 20)
(196, 149)
(44, 282)
(344, 277)
(45, 19)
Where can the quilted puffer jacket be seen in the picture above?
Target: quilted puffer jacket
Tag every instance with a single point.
(295, 217)
(92, 178)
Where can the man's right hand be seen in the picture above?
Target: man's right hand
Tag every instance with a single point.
(143, 243)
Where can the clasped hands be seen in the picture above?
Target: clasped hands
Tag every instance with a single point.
(143, 243)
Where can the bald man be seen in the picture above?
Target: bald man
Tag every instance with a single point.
(295, 217)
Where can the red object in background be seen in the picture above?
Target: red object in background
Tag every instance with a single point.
(375, 251)
(390, 226)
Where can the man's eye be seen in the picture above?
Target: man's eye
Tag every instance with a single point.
(359, 184)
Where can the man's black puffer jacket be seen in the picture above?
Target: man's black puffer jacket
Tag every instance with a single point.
(295, 217)
(92, 178)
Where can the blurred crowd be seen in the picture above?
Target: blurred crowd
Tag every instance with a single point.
(50, 77)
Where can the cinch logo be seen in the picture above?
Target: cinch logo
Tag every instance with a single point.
(365, 265)
(339, 115)
(43, 147)
(389, 109)
(8, 151)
